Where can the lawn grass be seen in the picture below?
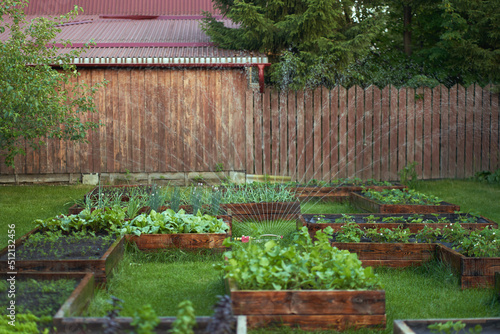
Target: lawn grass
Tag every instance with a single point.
(318, 206)
(428, 292)
(20, 205)
(162, 280)
(472, 196)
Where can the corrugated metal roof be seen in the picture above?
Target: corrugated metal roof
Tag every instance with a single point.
(149, 41)
(122, 7)
(135, 31)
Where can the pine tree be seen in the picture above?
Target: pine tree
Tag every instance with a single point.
(309, 42)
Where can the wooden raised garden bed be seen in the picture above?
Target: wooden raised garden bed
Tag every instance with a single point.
(150, 242)
(101, 267)
(77, 301)
(95, 325)
(473, 271)
(179, 240)
(68, 318)
(310, 309)
(341, 192)
(276, 208)
(368, 205)
(489, 325)
(373, 254)
(310, 220)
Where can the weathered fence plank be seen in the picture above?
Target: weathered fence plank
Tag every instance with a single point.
(401, 125)
(469, 131)
(368, 143)
(334, 134)
(427, 134)
(377, 136)
(325, 133)
(359, 141)
(486, 129)
(436, 126)
(292, 136)
(495, 143)
(342, 133)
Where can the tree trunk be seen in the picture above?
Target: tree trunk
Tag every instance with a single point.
(407, 30)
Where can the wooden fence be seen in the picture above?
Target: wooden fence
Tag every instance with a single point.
(164, 120)
(373, 133)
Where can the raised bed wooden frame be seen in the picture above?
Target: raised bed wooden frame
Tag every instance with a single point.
(389, 254)
(79, 299)
(368, 205)
(335, 194)
(310, 309)
(102, 267)
(186, 241)
(414, 227)
(473, 271)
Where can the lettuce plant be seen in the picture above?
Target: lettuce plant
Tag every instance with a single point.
(303, 265)
(171, 222)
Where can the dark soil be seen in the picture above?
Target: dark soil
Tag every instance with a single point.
(64, 248)
(405, 218)
(40, 297)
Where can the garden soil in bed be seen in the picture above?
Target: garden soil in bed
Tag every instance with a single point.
(49, 295)
(42, 297)
(66, 249)
(435, 221)
(101, 264)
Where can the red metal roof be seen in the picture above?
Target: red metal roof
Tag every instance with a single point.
(167, 32)
(161, 41)
(121, 7)
(134, 31)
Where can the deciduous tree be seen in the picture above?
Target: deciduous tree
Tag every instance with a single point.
(38, 101)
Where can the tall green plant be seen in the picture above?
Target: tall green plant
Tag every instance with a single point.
(408, 174)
